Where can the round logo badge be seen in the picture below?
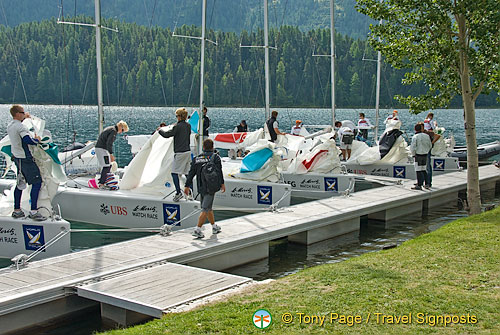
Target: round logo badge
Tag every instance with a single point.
(262, 319)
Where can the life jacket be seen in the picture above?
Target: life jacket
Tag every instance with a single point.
(272, 133)
(242, 129)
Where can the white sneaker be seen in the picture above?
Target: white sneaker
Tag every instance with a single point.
(216, 229)
(189, 197)
(198, 233)
(178, 197)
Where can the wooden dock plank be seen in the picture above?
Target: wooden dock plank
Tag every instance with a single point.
(163, 292)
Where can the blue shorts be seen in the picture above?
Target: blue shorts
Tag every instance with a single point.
(29, 169)
(206, 202)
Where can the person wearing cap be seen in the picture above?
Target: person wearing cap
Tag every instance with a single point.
(241, 128)
(297, 128)
(181, 133)
(104, 150)
(394, 116)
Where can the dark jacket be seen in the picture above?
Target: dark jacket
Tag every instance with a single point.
(206, 125)
(181, 132)
(107, 138)
(197, 165)
(242, 129)
(270, 127)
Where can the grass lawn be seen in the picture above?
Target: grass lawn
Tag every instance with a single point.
(452, 274)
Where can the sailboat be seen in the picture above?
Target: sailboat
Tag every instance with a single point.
(393, 159)
(145, 196)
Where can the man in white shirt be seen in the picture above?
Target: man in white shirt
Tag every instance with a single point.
(420, 147)
(363, 125)
(346, 136)
(27, 169)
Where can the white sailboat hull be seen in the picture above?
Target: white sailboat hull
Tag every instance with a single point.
(250, 196)
(124, 209)
(24, 236)
(404, 170)
(318, 186)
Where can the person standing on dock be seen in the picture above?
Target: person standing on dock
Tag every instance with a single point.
(207, 167)
(272, 127)
(420, 147)
(27, 170)
(433, 137)
(181, 133)
(104, 150)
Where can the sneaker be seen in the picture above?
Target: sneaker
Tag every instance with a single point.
(18, 214)
(198, 233)
(37, 216)
(427, 187)
(178, 197)
(417, 188)
(189, 197)
(104, 187)
(216, 229)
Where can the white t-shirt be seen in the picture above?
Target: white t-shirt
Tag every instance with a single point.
(16, 131)
(364, 124)
(295, 130)
(429, 124)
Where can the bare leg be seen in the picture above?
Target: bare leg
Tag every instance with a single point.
(203, 218)
(211, 217)
(348, 153)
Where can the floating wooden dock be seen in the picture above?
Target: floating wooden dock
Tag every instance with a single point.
(57, 286)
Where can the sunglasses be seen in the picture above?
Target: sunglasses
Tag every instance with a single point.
(21, 112)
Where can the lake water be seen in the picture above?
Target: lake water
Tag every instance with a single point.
(63, 121)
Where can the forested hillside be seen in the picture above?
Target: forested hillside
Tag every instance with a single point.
(143, 66)
(225, 15)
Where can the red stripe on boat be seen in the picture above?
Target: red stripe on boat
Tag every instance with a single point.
(230, 137)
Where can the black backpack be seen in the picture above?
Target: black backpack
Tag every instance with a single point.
(210, 176)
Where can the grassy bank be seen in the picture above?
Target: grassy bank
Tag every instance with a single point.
(454, 271)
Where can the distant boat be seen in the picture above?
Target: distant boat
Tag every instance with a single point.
(484, 151)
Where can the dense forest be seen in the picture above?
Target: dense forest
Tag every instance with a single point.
(224, 15)
(46, 62)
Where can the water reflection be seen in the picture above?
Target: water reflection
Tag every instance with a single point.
(286, 258)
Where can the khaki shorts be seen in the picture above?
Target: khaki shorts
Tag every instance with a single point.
(182, 162)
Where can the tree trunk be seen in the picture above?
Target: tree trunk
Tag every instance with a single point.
(473, 193)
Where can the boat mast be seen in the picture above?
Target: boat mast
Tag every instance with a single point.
(202, 72)
(332, 57)
(377, 94)
(266, 59)
(99, 64)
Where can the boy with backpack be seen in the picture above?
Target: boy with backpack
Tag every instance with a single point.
(207, 168)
